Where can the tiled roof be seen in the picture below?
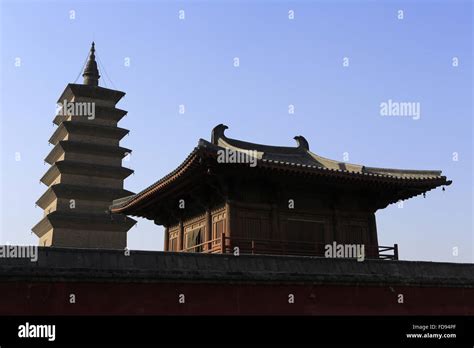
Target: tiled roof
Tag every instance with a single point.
(298, 158)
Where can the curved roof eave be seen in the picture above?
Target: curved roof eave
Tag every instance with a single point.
(288, 158)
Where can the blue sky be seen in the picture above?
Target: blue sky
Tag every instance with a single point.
(282, 62)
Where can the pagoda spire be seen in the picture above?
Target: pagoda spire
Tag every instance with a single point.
(91, 73)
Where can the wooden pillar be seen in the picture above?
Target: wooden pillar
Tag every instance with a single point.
(336, 226)
(180, 235)
(372, 237)
(223, 249)
(275, 226)
(373, 230)
(228, 220)
(167, 239)
(208, 234)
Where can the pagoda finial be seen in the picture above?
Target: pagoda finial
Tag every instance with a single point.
(91, 73)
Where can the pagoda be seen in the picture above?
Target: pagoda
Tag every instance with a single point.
(86, 172)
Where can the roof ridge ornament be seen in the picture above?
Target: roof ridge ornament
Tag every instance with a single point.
(91, 73)
(218, 132)
(302, 142)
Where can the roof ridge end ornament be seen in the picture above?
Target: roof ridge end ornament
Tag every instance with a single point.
(218, 132)
(302, 142)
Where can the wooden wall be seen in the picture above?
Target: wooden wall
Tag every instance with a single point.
(313, 227)
(292, 211)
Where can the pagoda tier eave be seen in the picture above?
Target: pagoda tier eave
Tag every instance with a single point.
(81, 168)
(87, 91)
(71, 127)
(85, 148)
(101, 112)
(98, 222)
(100, 194)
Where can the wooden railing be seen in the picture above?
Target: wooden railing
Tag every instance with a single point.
(283, 247)
(213, 246)
(384, 249)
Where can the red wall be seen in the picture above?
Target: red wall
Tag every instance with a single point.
(28, 298)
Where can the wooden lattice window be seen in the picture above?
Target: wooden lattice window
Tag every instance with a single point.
(217, 230)
(194, 238)
(173, 244)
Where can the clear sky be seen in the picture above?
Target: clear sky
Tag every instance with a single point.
(283, 61)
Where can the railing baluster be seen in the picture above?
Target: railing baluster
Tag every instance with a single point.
(223, 247)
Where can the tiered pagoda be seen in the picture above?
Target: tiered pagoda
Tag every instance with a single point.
(86, 172)
(265, 199)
